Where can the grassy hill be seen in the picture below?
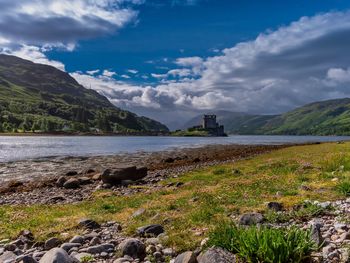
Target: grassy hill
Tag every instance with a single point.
(331, 117)
(35, 97)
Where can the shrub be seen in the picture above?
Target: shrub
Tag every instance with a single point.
(262, 244)
(344, 187)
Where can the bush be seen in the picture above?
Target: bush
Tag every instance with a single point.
(262, 244)
(344, 187)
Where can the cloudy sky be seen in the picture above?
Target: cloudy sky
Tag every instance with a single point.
(173, 59)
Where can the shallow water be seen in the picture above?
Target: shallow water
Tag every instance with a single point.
(14, 148)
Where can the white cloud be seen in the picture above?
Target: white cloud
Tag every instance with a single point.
(93, 72)
(279, 70)
(125, 76)
(132, 71)
(108, 73)
(34, 54)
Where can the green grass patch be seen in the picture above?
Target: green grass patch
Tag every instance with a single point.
(262, 244)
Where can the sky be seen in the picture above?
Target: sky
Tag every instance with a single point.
(173, 59)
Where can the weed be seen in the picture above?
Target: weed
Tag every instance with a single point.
(262, 244)
(344, 187)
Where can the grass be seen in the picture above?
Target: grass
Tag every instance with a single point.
(263, 244)
(207, 197)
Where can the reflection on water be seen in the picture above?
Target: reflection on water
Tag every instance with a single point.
(28, 147)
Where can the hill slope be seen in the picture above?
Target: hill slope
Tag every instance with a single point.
(41, 97)
(331, 117)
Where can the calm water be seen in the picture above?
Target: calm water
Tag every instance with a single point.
(20, 148)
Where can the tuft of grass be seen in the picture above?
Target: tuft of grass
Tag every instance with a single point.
(344, 187)
(262, 244)
(336, 162)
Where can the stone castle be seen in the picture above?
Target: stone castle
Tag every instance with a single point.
(209, 123)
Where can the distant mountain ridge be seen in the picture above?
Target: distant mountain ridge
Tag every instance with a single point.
(41, 97)
(331, 117)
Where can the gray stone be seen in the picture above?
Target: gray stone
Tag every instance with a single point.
(275, 206)
(100, 248)
(77, 239)
(71, 184)
(116, 175)
(28, 259)
(133, 248)
(217, 255)
(51, 243)
(56, 255)
(8, 256)
(69, 246)
(88, 223)
(121, 260)
(71, 173)
(95, 241)
(316, 235)
(84, 180)
(251, 219)
(60, 181)
(10, 247)
(186, 257)
(150, 230)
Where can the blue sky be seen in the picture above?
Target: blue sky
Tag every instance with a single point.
(173, 59)
(165, 31)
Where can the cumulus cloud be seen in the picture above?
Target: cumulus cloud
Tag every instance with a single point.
(108, 73)
(62, 21)
(29, 28)
(279, 70)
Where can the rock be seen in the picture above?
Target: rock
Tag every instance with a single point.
(28, 259)
(169, 160)
(56, 255)
(186, 257)
(51, 243)
(10, 247)
(327, 250)
(88, 223)
(71, 173)
(84, 180)
(27, 235)
(116, 175)
(275, 206)
(69, 246)
(77, 239)
(71, 184)
(60, 181)
(251, 219)
(96, 177)
(133, 247)
(100, 248)
(150, 230)
(121, 260)
(168, 252)
(8, 256)
(95, 241)
(218, 255)
(316, 235)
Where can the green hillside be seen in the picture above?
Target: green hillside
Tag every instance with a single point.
(330, 117)
(35, 97)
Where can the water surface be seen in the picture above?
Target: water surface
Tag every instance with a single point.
(28, 147)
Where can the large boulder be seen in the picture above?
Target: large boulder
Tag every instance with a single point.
(251, 219)
(121, 173)
(133, 247)
(186, 257)
(150, 230)
(56, 255)
(72, 184)
(217, 255)
(8, 256)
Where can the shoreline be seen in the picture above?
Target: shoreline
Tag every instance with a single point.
(34, 181)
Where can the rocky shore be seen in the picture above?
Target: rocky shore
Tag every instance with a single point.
(73, 179)
(106, 243)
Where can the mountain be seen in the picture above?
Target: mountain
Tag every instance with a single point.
(41, 97)
(331, 117)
